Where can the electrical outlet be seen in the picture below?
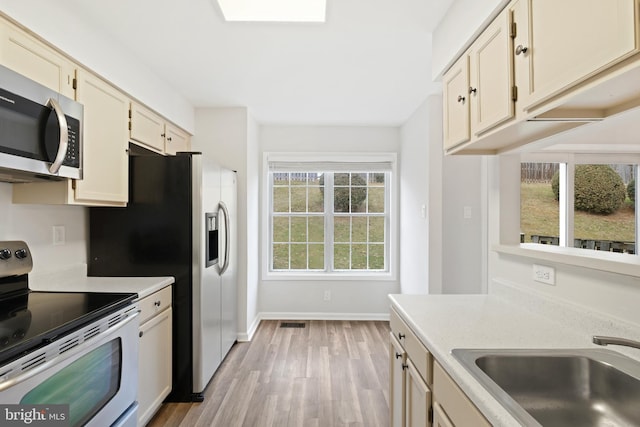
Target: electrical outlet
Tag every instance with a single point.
(59, 237)
(327, 295)
(544, 274)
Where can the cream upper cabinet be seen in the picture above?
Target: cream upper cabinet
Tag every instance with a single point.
(106, 136)
(146, 128)
(151, 131)
(570, 40)
(455, 93)
(418, 398)
(28, 56)
(176, 140)
(478, 89)
(491, 92)
(105, 169)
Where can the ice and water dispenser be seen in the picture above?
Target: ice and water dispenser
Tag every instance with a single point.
(211, 225)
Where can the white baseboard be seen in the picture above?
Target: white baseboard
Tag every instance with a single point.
(245, 337)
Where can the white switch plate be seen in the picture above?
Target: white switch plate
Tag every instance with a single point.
(327, 295)
(466, 212)
(544, 274)
(59, 237)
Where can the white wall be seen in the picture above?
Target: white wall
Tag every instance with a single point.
(452, 244)
(34, 225)
(86, 45)
(229, 135)
(415, 216)
(463, 21)
(349, 298)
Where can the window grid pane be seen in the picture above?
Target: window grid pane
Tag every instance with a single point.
(359, 213)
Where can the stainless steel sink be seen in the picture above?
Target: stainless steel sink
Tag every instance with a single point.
(570, 387)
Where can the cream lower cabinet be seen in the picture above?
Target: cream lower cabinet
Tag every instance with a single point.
(453, 406)
(421, 393)
(410, 377)
(155, 353)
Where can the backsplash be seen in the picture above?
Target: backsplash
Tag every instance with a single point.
(34, 225)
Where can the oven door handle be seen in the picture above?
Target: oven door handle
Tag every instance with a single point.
(63, 145)
(67, 355)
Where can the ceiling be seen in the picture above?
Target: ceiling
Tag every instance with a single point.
(369, 64)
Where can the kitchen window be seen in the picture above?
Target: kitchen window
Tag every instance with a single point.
(329, 216)
(580, 201)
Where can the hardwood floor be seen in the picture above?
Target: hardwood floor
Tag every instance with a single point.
(327, 374)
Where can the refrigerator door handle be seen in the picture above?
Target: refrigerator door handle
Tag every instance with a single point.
(225, 213)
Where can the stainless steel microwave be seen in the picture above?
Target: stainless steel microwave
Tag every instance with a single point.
(40, 131)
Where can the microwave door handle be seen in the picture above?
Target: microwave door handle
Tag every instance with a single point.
(64, 136)
(225, 213)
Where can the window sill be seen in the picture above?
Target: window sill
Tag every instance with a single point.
(613, 262)
(316, 277)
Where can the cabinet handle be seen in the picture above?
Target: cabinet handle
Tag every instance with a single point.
(398, 355)
(473, 90)
(521, 49)
(169, 139)
(157, 303)
(163, 135)
(140, 334)
(405, 366)
(461, 98)
(400, 335)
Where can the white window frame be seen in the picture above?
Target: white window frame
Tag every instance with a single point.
(621, 263)
(391, 226)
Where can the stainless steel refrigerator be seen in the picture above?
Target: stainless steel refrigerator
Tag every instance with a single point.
(180, 221)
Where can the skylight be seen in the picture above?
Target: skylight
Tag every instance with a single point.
(274, 10)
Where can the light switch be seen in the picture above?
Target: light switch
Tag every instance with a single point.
(59, 237)
(467, 212)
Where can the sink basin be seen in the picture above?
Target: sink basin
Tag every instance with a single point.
(569, 387)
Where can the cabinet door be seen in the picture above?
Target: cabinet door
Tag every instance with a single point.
(176, 140)
(397, 382)
(440, 419)
(418, 398)
(28, 56)
(106, 134)
(491, 76)
(154, 364)
(456, 103)
(573, 39)
(147, 128)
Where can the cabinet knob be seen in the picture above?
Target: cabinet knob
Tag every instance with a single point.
(163, 135)
(400, 335)
(473, 90)
(140, 334)
(398, 355)
(404, 366)
(157, 303)
(461, 98)
(169, 139)
(521, 49)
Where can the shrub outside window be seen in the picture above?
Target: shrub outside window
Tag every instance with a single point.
(591, 200)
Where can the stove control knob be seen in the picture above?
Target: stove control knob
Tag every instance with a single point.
(21, 253)
(5, 254)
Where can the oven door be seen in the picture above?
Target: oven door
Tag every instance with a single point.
(97, 379)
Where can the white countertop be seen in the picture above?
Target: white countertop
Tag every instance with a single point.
(76, 280)
(507, 319)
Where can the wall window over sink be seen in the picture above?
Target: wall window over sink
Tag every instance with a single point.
(580, 200)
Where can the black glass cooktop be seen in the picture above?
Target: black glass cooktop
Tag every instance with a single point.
(32, 319)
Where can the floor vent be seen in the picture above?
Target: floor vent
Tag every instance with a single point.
(292, 325)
